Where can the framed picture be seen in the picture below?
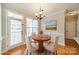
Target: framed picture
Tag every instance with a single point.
(51, 25)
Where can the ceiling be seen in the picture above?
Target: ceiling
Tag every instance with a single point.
(30, 9)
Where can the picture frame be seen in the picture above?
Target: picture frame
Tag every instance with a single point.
(51, 25)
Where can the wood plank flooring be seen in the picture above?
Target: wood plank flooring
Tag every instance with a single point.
(71, 48)
(20, 48)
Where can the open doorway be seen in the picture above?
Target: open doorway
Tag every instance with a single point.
(70, 24)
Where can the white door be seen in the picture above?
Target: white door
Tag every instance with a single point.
(14, 32)
(70, 27)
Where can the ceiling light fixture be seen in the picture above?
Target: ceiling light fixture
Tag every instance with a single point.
(40, 15)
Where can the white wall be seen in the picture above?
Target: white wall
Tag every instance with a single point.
(0, 28)
(78, 26)
(60, 18)
(4, 29)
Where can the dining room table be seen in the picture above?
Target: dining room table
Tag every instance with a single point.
(41, 38)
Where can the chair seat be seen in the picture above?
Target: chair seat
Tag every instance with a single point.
(49, 46)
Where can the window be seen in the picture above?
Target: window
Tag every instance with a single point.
(14, 28)
(31, 26)
(14, 32)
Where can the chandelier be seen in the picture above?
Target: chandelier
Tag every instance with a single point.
(40, 15)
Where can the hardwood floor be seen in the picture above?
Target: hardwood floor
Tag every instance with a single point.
(17, 50)
(71, 48)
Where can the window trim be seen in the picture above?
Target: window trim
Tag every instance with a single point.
(8, 17)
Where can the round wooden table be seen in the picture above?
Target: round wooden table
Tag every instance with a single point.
(41, 38)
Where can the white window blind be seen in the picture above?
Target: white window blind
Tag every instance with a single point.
(14, 28)
(15, 32)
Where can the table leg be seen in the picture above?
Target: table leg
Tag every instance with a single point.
(41, 47)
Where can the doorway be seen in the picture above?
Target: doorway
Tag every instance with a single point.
(70, 26)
